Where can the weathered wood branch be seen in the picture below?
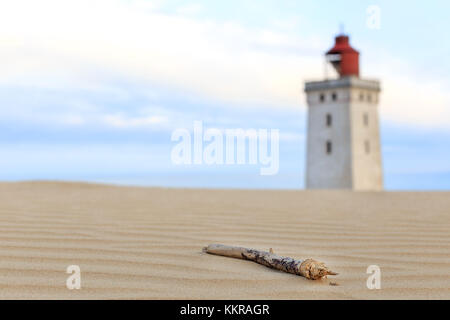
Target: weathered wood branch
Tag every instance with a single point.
(308, 268)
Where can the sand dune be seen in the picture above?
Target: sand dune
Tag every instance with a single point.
(146, 243)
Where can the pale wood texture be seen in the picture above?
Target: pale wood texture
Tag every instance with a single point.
(308, 268)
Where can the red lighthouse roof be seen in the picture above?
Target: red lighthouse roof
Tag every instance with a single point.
(343, 57)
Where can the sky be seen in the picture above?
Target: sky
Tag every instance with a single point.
(93, 90)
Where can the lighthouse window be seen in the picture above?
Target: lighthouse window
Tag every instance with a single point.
(367, 146)
(361, 96)
(329, 147)
(369, 97)
(366, 119)
(334, 96)
(329, 120)
(322, 97)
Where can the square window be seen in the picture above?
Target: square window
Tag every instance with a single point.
(329, 147)
(366, 119)
(329, 120)
(367, 146)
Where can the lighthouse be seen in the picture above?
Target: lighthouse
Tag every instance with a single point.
(343, 144)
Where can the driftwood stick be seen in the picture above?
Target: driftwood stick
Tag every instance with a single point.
(308, 268)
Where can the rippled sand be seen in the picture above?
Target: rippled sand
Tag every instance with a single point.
(146, 243)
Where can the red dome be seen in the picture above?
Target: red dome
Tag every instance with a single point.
(343, 57)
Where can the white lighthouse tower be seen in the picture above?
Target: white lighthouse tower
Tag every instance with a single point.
(343, 150)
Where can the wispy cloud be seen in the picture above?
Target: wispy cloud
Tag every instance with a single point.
(72, 41)
(84, 44)
(122, 121)
(190, 9)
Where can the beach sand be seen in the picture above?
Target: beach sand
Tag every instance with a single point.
(146, 243)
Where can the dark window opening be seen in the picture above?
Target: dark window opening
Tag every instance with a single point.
(329, 147)
(334, 96)
(366, 119)
(329, 120)
(367, 146)
(322, 97)
(361, 96)
(369, 97)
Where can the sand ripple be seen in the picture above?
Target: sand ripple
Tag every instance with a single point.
(146, 243)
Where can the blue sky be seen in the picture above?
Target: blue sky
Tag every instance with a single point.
(91, 90)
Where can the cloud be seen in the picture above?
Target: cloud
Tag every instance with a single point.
(84, 44)
(72, 41)
(414, 102)
(122, 121)
(409, 97)
(190, 9)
